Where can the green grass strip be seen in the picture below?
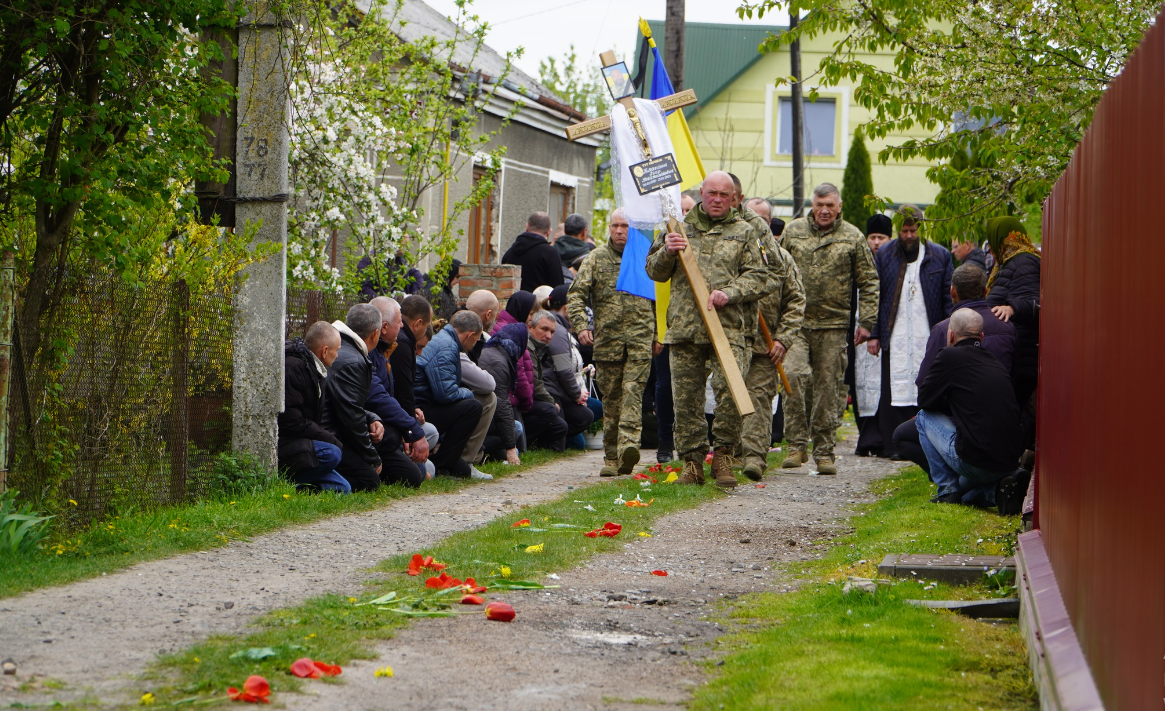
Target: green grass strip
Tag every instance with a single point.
(135, 536)
(337, 629)
(818, 649)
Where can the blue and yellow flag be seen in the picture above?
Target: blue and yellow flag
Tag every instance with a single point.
(633, 277)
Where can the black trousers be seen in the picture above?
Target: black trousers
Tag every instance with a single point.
(544, 427)
(397, 467)
(578, 417)
(455, 422)
(358, 472)
(906, 443)
(664, 404)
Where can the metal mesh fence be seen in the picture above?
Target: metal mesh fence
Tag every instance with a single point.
(135, 409)
(131, 406)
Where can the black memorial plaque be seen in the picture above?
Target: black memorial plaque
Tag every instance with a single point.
(655, 174)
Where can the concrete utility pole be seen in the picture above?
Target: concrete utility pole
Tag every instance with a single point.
(261, 168)
(673, 43)
(798, 111)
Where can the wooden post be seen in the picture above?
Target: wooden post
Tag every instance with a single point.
(179, 392)
(674, 39)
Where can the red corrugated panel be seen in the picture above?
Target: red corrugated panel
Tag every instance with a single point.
(1101, 505)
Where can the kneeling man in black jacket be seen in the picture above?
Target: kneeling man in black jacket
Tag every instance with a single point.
(969, 422)
(308, 454)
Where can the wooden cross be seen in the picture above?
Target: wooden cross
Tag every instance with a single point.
(688, 260)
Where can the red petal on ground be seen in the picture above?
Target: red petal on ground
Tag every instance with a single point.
(760, 486)
(607, 533)
(660, 573)
(305, 669)
(473, 600)
(591, 534)
(523, 522)
(472, 587)
(329, 669)
(641, 476)
(416, 564)
(500, 612)
(255, 691)
(613, 526)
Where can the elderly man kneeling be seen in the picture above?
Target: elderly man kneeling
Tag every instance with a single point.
(969, 422)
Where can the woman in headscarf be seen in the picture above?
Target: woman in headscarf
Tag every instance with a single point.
(500, 358)
(1013, 293)
(517, 311)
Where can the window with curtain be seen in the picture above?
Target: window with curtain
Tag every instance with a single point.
(820, 127)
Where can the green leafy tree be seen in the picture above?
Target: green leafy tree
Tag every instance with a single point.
(857, 184)
(1013, 81)
(582, 87)
(98, 126)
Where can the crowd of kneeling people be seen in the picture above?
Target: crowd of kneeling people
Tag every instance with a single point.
(382, 396)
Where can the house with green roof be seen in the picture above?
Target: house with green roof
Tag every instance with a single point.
(742, 122)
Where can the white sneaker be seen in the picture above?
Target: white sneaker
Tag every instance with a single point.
(475, 473)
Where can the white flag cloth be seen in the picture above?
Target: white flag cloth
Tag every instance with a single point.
(645, 212)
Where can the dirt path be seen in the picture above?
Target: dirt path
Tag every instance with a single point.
(97, 635)
(612, 633)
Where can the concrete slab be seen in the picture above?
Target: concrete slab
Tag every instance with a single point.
(953, 568)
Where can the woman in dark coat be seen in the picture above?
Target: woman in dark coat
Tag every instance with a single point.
(517, 311)
(500, 358)
(1013, 293)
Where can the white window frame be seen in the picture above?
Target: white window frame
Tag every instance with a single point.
(840, 96)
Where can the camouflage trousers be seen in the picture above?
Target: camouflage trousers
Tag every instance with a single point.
(816, 369)
(690, 365)
(756, 435)
(622, 383)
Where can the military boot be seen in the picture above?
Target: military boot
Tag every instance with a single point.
(754, 468)
(825, 464)
(722, 469)
(628, 458)
(794, 457)
(693, 473)
(610, 468)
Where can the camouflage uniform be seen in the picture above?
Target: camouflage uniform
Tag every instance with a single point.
(728, 254)
(830, 262)
(783, 310)
(624, 330)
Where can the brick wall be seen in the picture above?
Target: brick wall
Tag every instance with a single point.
(502, 279)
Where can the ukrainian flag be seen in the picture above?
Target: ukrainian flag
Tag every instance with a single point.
(633, 275)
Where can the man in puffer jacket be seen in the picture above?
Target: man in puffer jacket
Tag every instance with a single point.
(439, 392)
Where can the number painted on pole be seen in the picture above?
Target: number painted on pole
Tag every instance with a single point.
(260, 145)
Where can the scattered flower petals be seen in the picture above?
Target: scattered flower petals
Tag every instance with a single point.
(592, 534)
(74, 502)
(383, 671)
(760, 486)
(255, 691)
(538, 548)
(645, 534)
(500, 612)
(417, 564)
(609, 530)
(588, 507)
(671, 478)
(329, 669)
(660, 573)
(708, 458)
(522, 523)
(643, 477)
(305, 669)
(619, 500)
(472, 588)
(442, 582)
(554, 576)
(147, 698)
(638, 502)
(472, 600)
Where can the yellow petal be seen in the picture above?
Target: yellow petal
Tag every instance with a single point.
(645, 534)
(73, 502)
(287, 496)
(147, 699)
(671, 477)
(536, 548)
(506, 571)
(384, 671)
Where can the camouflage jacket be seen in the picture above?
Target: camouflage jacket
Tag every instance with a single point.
(784, 307)
(728, 253)
(831, 261)
(624, 323)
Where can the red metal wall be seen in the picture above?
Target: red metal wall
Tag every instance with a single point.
(1101, 505)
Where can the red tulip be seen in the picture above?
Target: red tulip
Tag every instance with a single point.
(473, 600)
(500, 611)
(591, 534)
(417, 564)
(305, 669)
(328, 669)
(660, 573)
(522, 523)
(442, 582)
(472, 587)
(255, 691)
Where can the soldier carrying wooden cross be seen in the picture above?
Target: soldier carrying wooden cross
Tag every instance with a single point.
(724, 252)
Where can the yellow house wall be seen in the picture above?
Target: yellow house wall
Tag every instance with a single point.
(737, 132)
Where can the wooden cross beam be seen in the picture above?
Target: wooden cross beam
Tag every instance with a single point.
(688, 260)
